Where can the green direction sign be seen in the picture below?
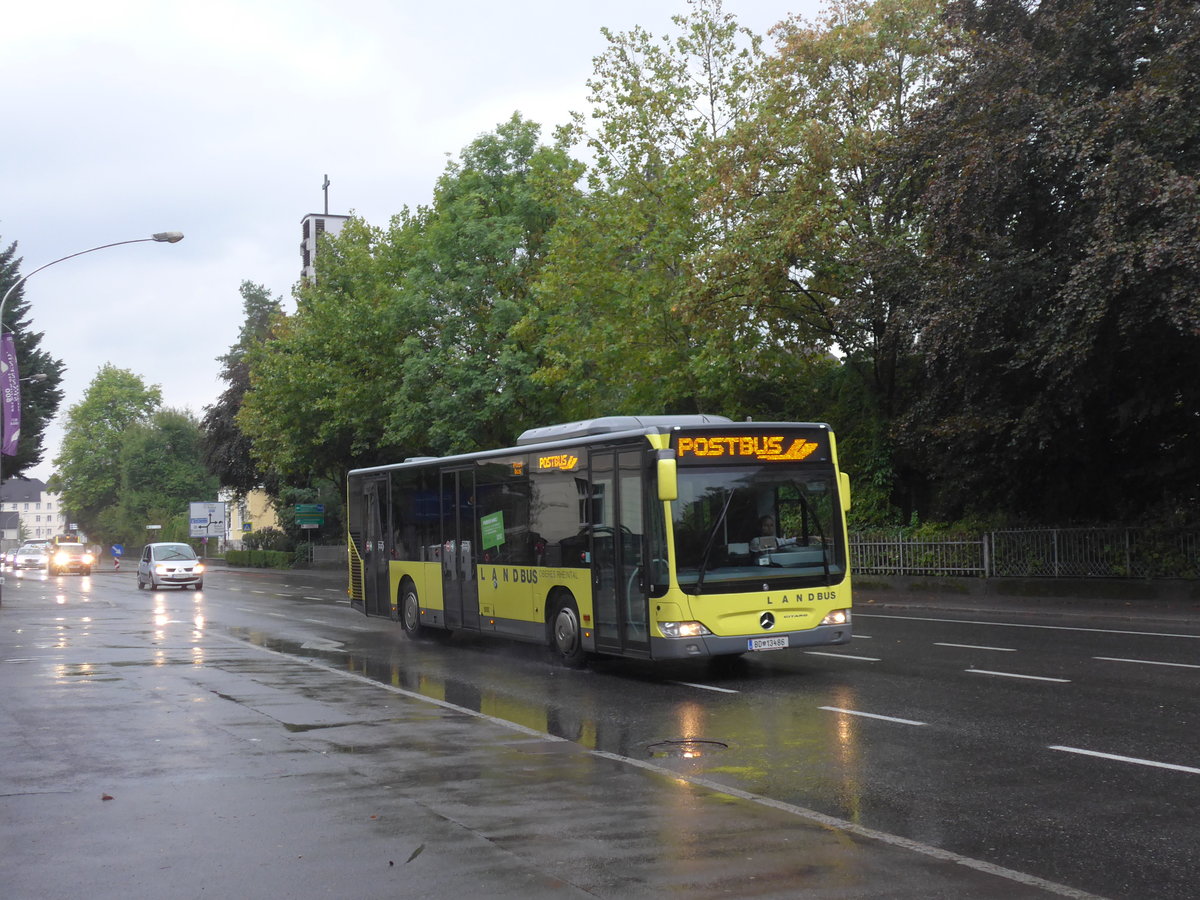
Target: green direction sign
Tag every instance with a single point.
(492, 530)
(310, 515)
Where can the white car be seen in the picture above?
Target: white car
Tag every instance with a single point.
(31, 558)
(166, 563)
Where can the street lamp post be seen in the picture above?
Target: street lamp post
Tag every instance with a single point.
(162, 237)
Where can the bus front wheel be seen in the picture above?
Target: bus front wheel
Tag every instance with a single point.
(566, 635)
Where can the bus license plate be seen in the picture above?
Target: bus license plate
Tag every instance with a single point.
(771, 643)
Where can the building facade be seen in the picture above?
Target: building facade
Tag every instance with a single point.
(38, 513)
(253, 512)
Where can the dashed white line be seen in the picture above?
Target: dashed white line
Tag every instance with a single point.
(1148, 662)
(841, 656)
(1194, 637)
(867, 715)
(1017, 675)
(976, 647)
(1129, 759)
(707, 687)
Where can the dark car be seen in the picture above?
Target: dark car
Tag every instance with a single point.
(70, 558)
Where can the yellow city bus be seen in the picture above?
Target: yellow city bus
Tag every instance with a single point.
(663, 537)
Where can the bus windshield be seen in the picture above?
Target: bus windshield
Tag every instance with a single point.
(738, 528)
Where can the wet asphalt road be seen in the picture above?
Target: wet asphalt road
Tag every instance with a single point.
(259, 738)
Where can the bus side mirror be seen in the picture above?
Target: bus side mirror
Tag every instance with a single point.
(844, 482)
(668, 480)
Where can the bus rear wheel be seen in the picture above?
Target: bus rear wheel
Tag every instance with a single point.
(566, 634)
(410, 611)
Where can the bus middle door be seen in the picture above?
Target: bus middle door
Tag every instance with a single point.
(618, 542)
(373, 528)
(460, 588)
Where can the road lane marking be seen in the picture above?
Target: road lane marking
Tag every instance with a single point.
(867, 715)
(706, 687)
(865, 637)
(976, 647)
(1129, 759)
(841, 656)
(1148, 662)
(1194, 637)
(1016, 675)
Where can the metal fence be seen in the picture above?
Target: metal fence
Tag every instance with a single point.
(327, 554)
(1046, 553)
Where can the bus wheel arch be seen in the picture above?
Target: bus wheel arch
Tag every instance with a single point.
(565, 629)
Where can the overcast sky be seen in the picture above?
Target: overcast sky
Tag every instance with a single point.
(220, 120)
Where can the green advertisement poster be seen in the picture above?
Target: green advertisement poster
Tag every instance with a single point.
(492, 527)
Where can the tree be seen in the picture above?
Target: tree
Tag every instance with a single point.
(161, 471)
(470, 263)
(88, 476)
(227, 449)
(39, 400)
(1060, 320)
(618, 297)
(406, 343)
(823, 249)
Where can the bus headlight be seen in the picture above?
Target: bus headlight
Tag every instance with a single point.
(682, 629)
(837, 617)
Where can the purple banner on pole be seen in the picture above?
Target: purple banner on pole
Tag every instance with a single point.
(10, 384)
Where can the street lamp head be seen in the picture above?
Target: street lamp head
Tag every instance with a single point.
(171, 237)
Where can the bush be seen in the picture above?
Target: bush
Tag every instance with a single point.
(259, 559)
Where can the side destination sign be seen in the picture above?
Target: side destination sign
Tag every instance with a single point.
(812, 446)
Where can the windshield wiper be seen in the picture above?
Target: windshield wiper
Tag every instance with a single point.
(712, 536)
(820, 534)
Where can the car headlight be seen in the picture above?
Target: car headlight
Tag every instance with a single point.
(198, 568)
(837, 617)
(682, 629)
(61, 559)
(87, 559)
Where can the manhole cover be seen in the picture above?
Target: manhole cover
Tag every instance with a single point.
(685, 749)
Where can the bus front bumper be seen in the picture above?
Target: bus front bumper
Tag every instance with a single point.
(715, 645)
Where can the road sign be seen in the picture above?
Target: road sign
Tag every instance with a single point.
(310, 515)
(206, 519)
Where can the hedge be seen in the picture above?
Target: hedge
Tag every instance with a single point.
(259, 559)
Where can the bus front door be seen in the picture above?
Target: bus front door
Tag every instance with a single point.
(460, 589)
(618, 542)
(376, 599)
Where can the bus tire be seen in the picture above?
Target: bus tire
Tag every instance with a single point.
(566, 632)
(410, 611)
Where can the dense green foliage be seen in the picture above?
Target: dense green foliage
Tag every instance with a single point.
(226, 449)
(39, 399)
(966, 234)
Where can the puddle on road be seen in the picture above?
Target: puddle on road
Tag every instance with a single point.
(685, 749)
